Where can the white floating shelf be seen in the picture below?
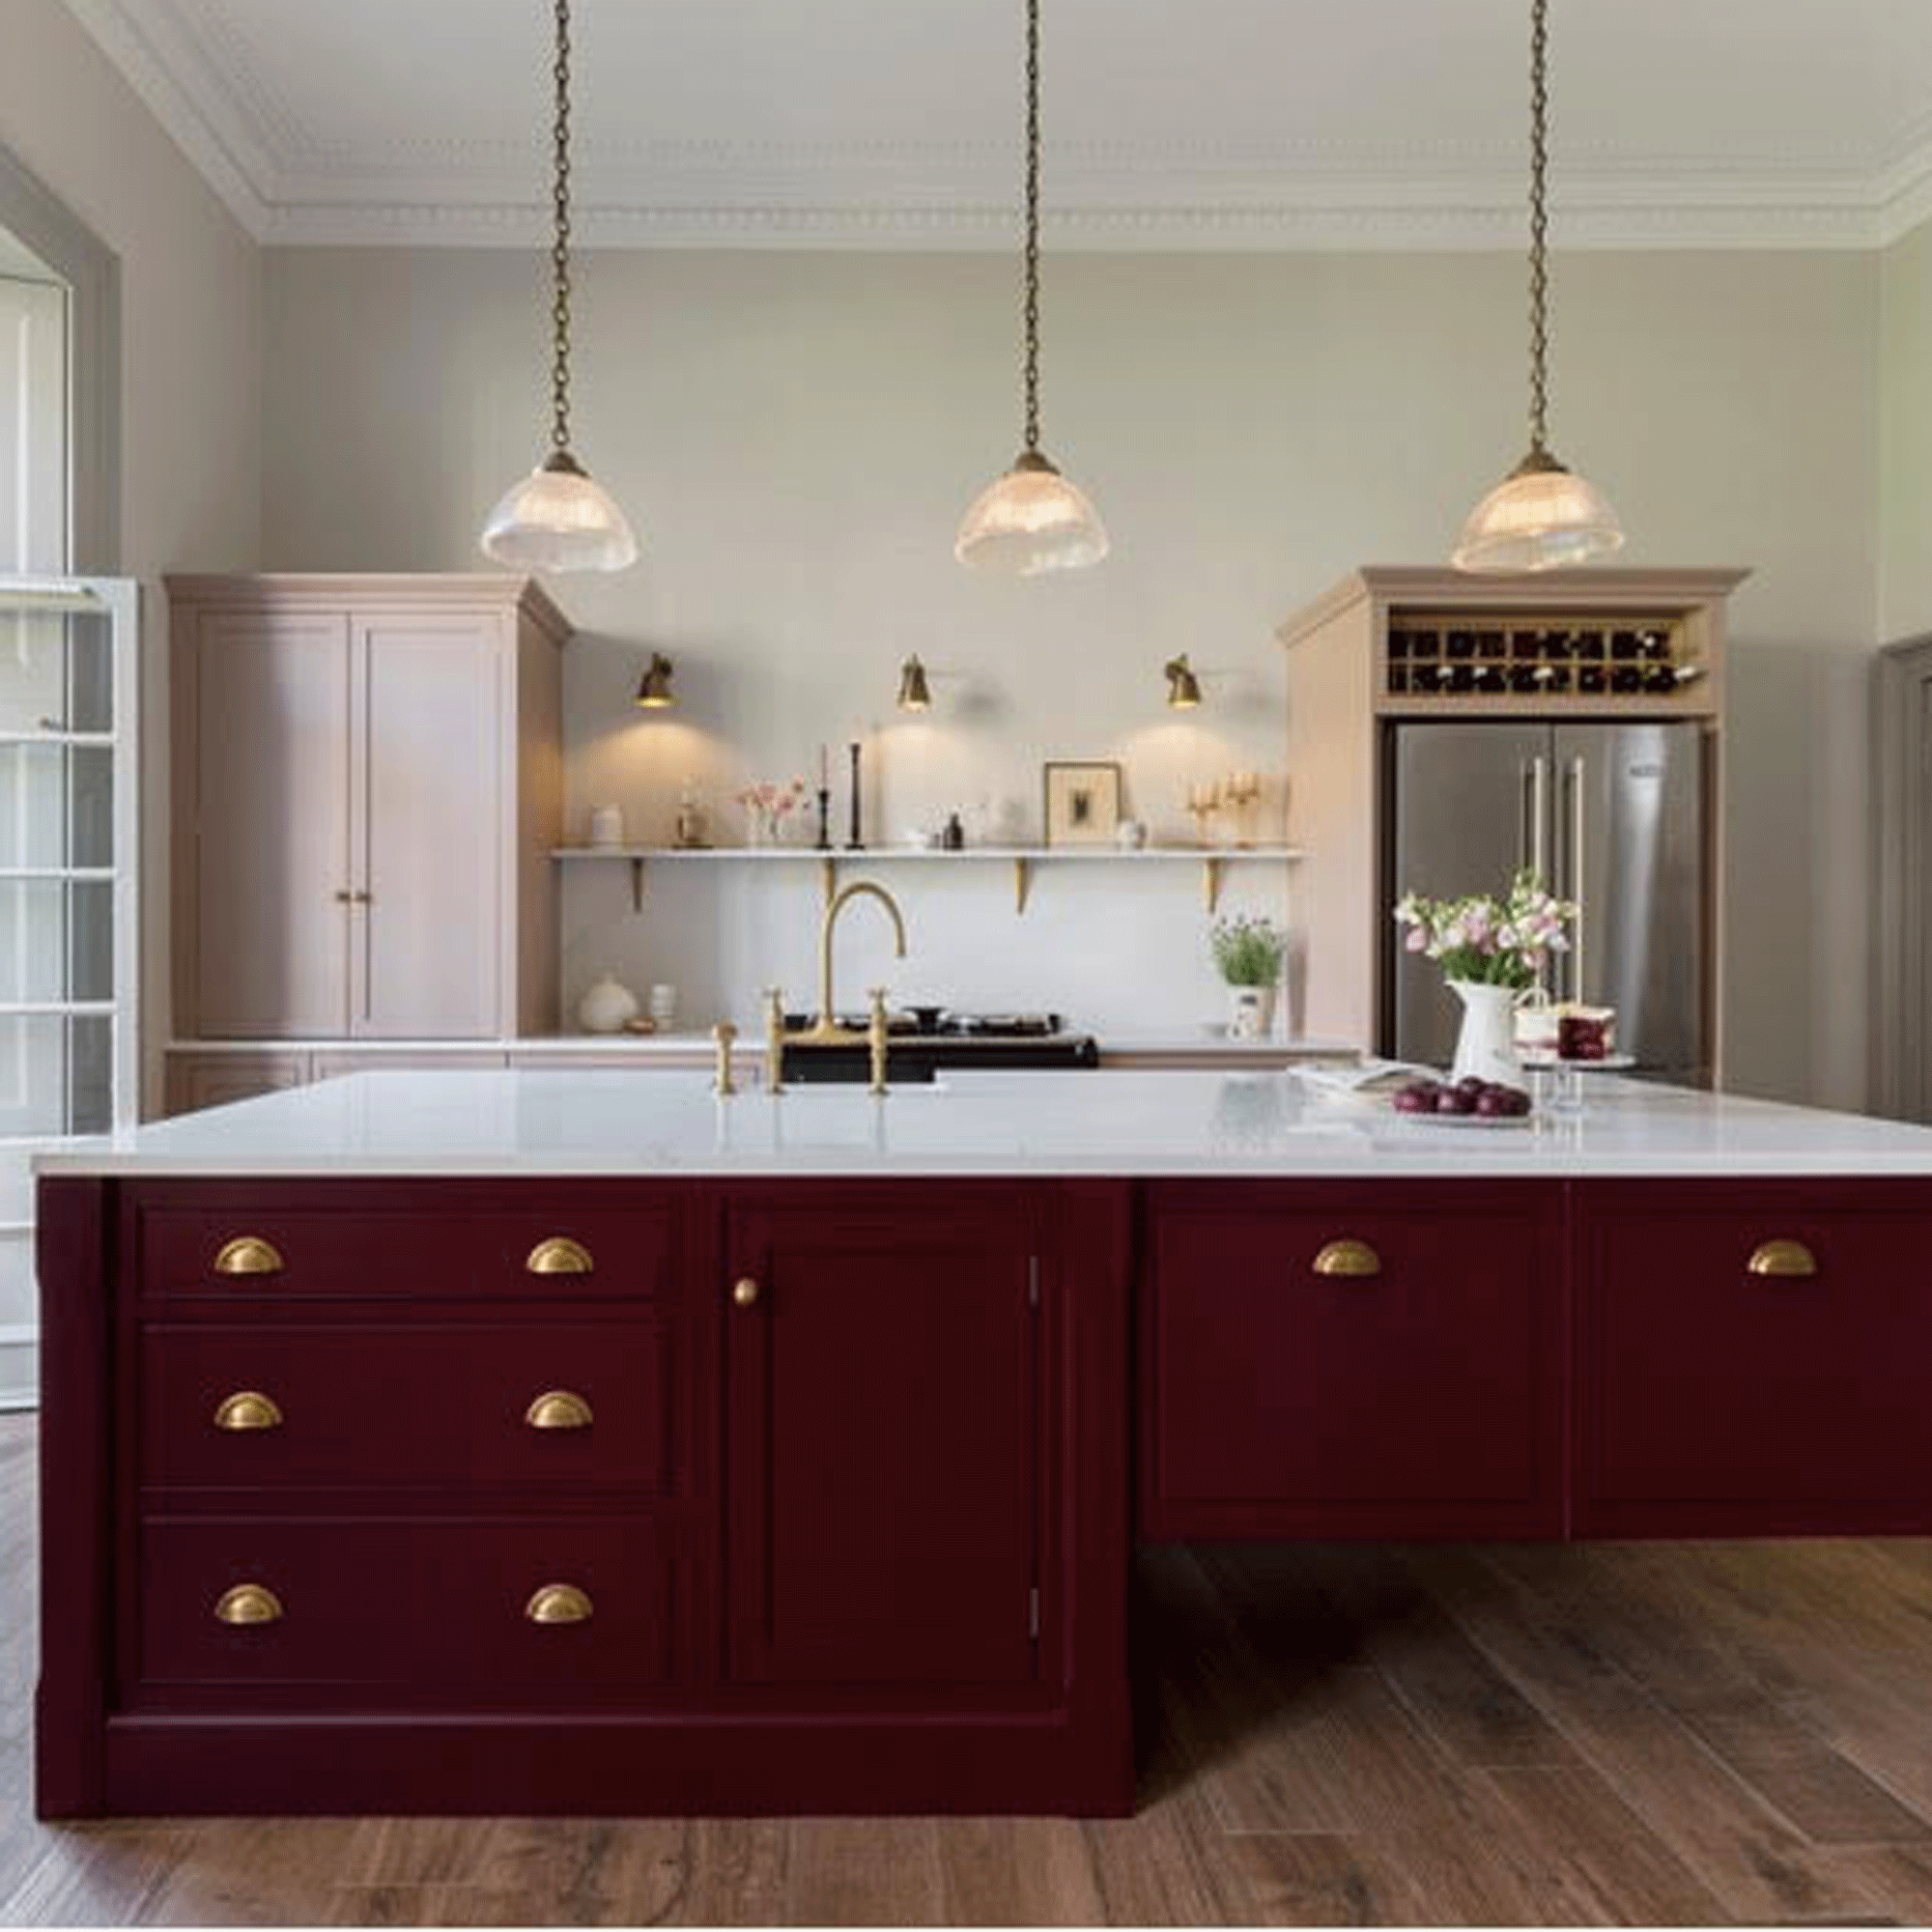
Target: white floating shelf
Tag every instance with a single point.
(96, 740)
(66, 872)
(1022, 858)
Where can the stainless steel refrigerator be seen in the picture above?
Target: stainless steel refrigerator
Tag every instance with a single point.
(1613, 816)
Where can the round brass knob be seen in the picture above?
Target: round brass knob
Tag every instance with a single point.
(1348, 1259)
(745, 1292)
(558, 1603)
(558, 1409)
(249, 1408)
(248, 1254)
(559, 1255)
(248, 1604)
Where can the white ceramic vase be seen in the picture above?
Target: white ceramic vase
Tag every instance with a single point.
(607, 1007)
(1250, 1013)
(1486, 1045)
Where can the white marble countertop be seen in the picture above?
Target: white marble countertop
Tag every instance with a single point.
(1198, 1042)
(605, 1121)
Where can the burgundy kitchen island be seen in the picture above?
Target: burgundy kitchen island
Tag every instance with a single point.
(582, 1442)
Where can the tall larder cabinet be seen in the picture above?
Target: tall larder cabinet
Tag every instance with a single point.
(367, 787)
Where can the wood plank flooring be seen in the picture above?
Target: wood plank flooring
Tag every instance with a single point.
(1331, 1735)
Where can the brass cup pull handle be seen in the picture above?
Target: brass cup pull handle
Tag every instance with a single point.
(1348, 1259)
(558, 1409)
(248, 1604)
(246, 1410)
(558, 1603)
(1786, 1259)
(558, 1255)
(248, 1254)
(745, 1292)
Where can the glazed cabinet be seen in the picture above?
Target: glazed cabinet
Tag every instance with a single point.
(70, 902)
(367, 787)
(1350, 1359)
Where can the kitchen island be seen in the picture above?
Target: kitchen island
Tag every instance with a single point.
(567, 1441)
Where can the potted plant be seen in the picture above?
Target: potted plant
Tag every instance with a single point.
(1248, 953)
(1493, 951)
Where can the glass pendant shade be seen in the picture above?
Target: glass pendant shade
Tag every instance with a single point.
(1541, 517)
(1031, 520)
(557, 518)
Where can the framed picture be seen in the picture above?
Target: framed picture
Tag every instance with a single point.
(1083, 804)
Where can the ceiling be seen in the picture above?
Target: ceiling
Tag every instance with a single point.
(1170, 123)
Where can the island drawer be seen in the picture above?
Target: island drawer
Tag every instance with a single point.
(510, 1605)
(1752, 1357)
(371, 1243)
(1316, 1361)
(400, 1404)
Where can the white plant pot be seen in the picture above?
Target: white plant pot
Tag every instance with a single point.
(1250, 1013)
(1486, 1045)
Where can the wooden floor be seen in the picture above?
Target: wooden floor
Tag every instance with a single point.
(1621, 1734)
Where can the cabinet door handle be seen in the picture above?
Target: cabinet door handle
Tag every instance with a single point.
(1786, 1259)
(248, 1604)
(1349, 1259)
(248, 1254)
(558, 1255)
(558, 1409)
(246, 1410)
(558, 1603)
(745, 1292)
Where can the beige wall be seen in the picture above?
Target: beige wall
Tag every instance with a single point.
(796, 434)
(1905, 437)
(191, 351)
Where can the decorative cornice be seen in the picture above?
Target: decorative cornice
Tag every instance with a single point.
(289, 186)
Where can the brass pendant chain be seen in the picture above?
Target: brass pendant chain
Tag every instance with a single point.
(1030, 312)
(560, 252)
(1539, 228)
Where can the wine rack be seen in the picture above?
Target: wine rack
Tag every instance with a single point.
(1460, 655)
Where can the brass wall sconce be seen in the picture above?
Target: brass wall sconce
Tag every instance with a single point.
(654, 694)
(1183, 687)
(914, 693)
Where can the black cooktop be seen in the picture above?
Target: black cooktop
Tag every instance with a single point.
(924, 1039)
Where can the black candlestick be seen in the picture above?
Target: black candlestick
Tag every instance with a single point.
(824, 818)
(855, 844)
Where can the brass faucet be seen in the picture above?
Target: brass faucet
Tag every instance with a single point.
(775, 1038)
(825, 1028)
(879, 1039)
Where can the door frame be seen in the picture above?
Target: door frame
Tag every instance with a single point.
(1901, 683)
(90, 272)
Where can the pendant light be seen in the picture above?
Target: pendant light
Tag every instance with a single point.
(1031, 519)
(557, 518)
(1542, 516)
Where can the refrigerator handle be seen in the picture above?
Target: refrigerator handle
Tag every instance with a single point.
(1539, 819)
(1574, 874)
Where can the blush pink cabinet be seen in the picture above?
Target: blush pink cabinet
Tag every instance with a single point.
(367, 787)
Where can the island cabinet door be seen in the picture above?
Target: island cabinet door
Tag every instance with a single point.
(1380, 1360)
(1752, 1357)
(882, 1456)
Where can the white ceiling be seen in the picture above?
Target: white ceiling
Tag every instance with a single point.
(1191, 122)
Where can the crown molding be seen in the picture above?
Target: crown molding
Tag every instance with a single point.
(288, 188)
(167, 67)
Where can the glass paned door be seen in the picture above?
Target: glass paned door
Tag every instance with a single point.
(68, 900)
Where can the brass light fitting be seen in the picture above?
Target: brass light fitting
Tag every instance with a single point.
(914, 692)
(1183, 687)
(654, 692)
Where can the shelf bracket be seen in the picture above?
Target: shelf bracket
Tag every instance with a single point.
(1020, 880)
(1211, 884)
(636, 885)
